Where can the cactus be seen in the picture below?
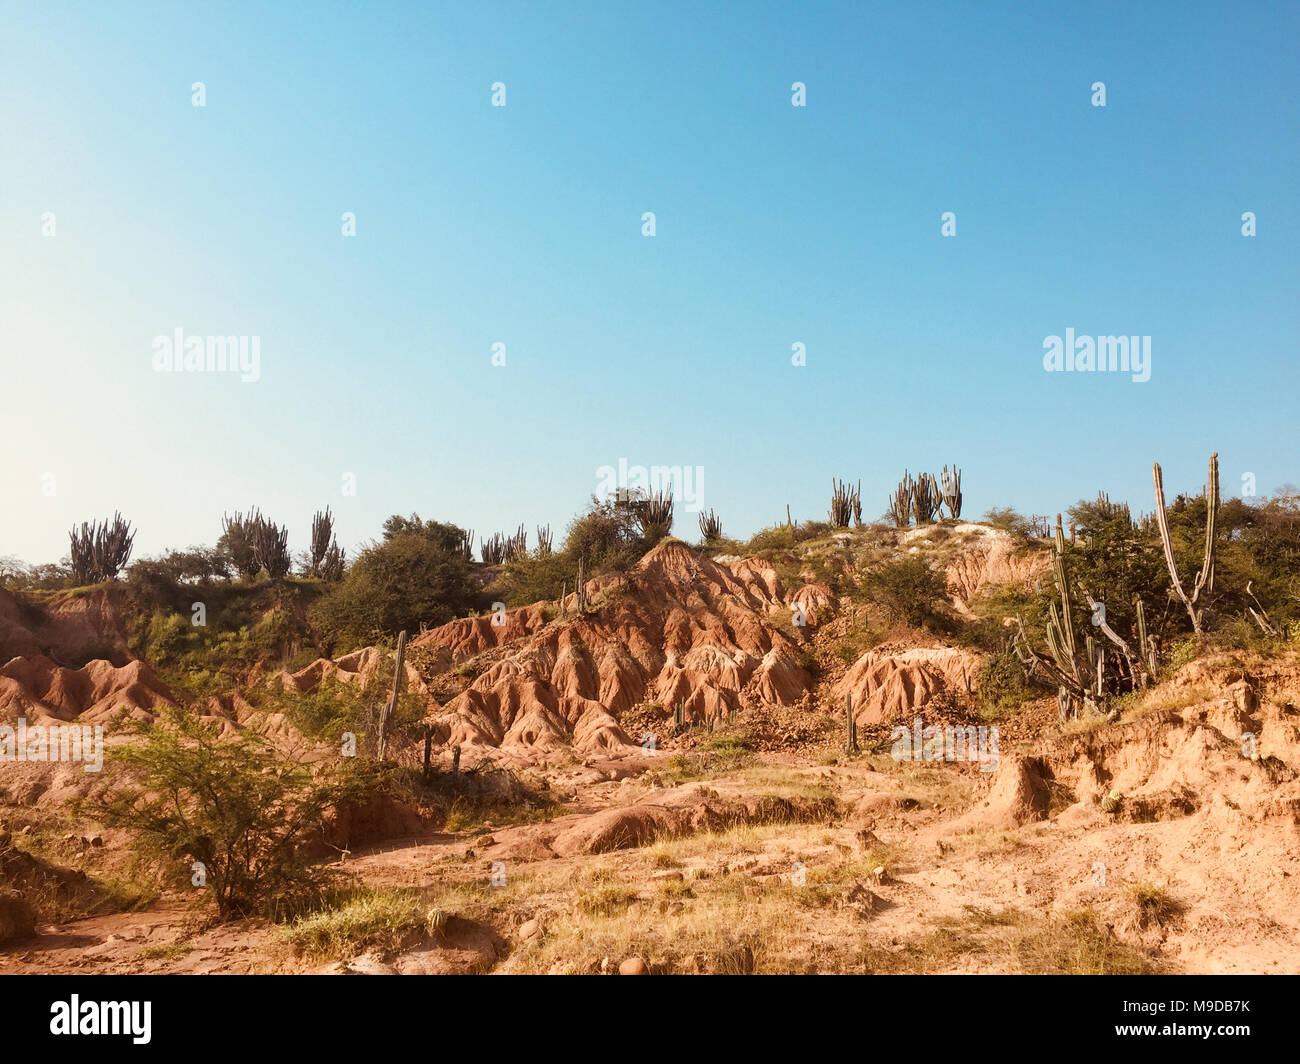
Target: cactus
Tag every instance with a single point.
(654, 514)
(710, 527)
(900, 504)
(1077, 680)
(237, 539)
(925, 498)
(100, 550)
(493, 551)
(545, 540)
(387, 712)
(679, 717)
(852, 746)
(335, 561)
(1146, 644)
(322, 534)
(950, 485)
(271, 548)
(845, 500)
(516, 546)
(1205, 577)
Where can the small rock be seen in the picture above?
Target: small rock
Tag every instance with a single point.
(531, 929)
(667, 875)
(633, 966)
(469, 855)
(97, 840)
(606, 965)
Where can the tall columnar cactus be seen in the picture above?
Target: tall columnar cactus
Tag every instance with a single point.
(925, 498)
(386, 714)
(515, 546)
(654, 514)
(465, 544)
(1205, 577)
(322, 532)
(679, 717)
(852, 746)
(845, 501)
(100, 550)
(271, 547)
(493, 551)
(545, 540)
(1146, 645)
(1073, 672)
(710, 526)
(950, 486)
(237, 540)
(900, 503)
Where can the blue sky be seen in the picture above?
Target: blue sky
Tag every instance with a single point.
(522, 225)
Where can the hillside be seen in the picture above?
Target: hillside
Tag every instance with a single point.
(677, 744)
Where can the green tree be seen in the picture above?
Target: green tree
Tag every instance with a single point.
(416, 574)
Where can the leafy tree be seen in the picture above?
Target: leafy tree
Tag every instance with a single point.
(911, 591)
(416, 574)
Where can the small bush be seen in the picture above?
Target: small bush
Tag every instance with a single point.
(239, 807)
(909, 590)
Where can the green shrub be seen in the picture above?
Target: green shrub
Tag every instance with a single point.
(239, 806)
(909, 590)
(409, 578)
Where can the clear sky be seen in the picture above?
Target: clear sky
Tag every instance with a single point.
(522, 225)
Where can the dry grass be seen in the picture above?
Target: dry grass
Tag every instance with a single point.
(365, 919)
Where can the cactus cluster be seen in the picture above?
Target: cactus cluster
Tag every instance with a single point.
(502, 548)
(924, 497)
(271, 547)
(465, 544)
(846, 502)
(100, 549)
(326, 559)
(654, 514)
(710, 526)
(900, 503)
(545, 541)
